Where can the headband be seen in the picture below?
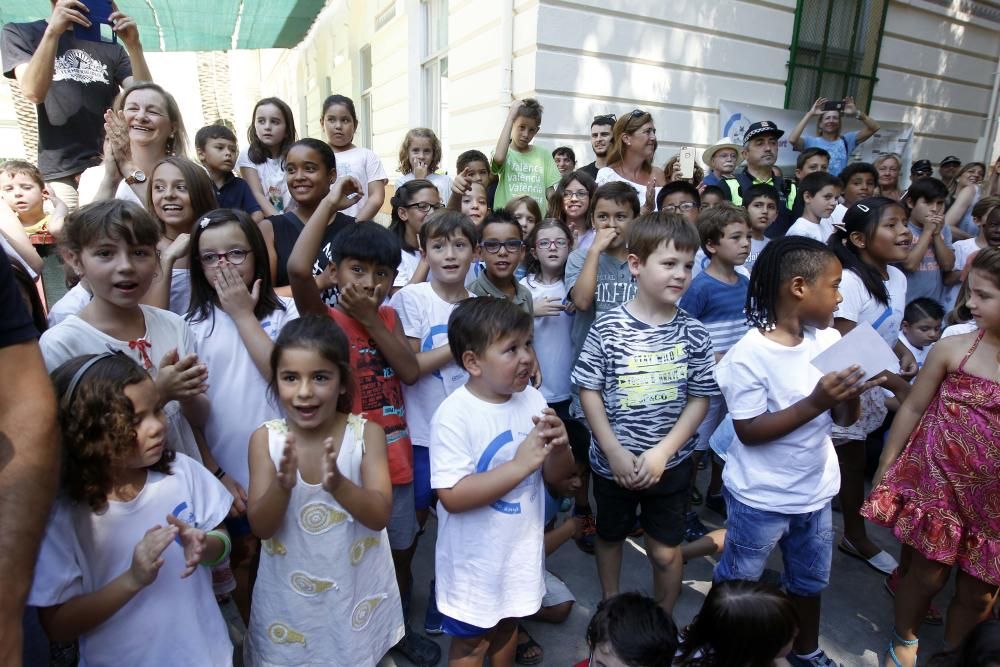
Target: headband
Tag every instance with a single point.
(82, 370)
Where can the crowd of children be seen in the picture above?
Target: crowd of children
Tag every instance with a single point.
(256, 377)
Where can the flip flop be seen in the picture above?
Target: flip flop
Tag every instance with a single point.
(882, 562)
(527, 646)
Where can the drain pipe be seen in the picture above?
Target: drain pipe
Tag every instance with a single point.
(991, 134)
(506, 53)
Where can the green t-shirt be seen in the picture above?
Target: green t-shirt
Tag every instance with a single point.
(528, 173)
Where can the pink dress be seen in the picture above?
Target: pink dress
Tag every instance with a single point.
(942, 496)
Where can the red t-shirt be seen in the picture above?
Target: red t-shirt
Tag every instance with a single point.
(377, 392)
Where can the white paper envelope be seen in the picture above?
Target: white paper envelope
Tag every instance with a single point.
(862, 346)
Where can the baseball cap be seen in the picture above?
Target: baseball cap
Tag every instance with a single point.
(922, 165)
(951, 159)
(762, 127)
(710, 152)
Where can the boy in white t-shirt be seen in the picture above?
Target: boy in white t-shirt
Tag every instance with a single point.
(449, 239)
(819, 191)
(781, 469)
(492, 442)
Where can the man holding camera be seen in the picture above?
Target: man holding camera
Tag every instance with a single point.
(828, 136)
(72, 75)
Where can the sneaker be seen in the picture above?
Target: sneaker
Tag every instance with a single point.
(716, 503)
(933, 615)
(693, 527)
(821, 659)
(589, 533)
(432, 618)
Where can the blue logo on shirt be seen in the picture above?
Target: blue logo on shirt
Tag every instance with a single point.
(483, 465)
(428, 342)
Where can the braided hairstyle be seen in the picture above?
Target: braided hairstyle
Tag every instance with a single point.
(782, 260)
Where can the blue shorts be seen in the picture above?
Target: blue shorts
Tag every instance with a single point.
(455, 628)
(805, 540)
(423, 494)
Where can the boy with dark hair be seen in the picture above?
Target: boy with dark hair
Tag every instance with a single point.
(494, 442)
(716, 299)
(679, 197)
(598, 279)
(523, 169)
(501, 247)
(859, 179)
(472, 166)
(931, 254)
(761, 203)
(600, 141)
(565, 159)
(217, 151)
(364, 259)
(645, 378)
(820, 191)
(810, 160)
(631, 629)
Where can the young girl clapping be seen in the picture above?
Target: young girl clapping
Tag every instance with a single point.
(119, 566)
(320, 498)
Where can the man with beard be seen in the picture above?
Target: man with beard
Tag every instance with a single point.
(721, 159)
(600, 139)
(760, 151)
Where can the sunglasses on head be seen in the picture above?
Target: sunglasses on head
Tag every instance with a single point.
(605, 119)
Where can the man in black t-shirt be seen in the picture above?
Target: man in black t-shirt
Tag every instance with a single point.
(29, 456)
(72, 82)
(600, 141)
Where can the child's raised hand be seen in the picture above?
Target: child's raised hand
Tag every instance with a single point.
(649, 205)
(331, 473)
(239, 495)
(649, 467)
(360, 305)
(515, 108)
(533, 449)
(146, 561)
(551, 428)
(178, 379)
(462, 183)
(234, 297)
(548, 306)
(345, 192)
(178, 248)
(420, 168)
(604, 237)
(936, 222)
(288, 466)
(193, 541)
(623, 466)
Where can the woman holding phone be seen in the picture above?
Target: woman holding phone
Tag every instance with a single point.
(828, 136)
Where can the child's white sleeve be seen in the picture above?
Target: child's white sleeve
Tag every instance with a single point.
(743, 384)
(58, 575)
(411, 314)
(854, 296)
(374, 168)
(210, 500)
(451, 459)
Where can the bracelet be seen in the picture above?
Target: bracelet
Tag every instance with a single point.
(220, 473)
(227, 547)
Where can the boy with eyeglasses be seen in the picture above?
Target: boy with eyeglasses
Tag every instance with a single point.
(600, 141)
(501, 248)
(679, 197)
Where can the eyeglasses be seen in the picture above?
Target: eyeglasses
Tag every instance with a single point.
(236, 256)
(424, 207)
(545, 244)
(493, 247)
(605, 119)
(679, 208)
(576, 194)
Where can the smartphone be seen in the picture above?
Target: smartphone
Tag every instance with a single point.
(833, 105)
(687, 162)
(100, 23)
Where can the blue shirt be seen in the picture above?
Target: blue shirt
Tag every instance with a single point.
(718, 306)
(235, 193)
(838, 149)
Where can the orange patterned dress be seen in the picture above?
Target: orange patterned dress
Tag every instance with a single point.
(942, 496)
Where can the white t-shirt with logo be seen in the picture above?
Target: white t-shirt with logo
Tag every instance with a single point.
(490, 560)
(424, 316)
(272, 180)
(860, 306)
(820, 231)
(172, 621)
(798, 472)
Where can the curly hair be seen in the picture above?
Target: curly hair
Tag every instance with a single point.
(97, 422)
(404, 150)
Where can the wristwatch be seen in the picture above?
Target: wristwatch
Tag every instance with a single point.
(137, 176)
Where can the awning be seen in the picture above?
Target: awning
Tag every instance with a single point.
(200, 25)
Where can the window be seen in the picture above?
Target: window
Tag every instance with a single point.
(834, 51)
(434, 67)
(365, 79)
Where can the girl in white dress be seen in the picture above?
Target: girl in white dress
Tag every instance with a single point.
(320, 498)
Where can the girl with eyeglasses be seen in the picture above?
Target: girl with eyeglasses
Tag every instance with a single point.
(571, 203)
(412, 203)
(630, 158)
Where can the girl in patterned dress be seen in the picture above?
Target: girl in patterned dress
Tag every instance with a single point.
(938, 482)
(320, 498)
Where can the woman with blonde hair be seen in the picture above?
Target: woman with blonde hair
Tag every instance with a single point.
(888, 166)
(630, 157)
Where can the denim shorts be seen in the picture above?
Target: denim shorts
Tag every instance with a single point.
(805, 540)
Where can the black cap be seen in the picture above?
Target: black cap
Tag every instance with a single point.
(951, 159)
(762, 127)
(922, 165)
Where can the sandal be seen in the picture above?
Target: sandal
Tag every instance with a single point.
(896, 639)
(881, 562)
(418, 649)
(528, 646)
